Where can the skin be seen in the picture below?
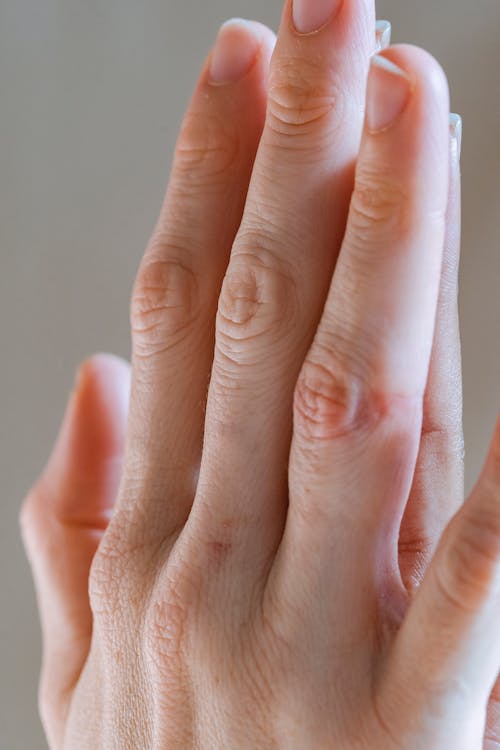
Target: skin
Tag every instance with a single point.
(256, 535)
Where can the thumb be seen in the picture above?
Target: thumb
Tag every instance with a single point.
(62, 521)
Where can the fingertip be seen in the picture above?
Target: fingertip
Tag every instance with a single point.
(92, 433)
(416, 96)
(240, 44)
(426, 72)
(104, 379)
(267, 35)
(268, 45)
(101, 401)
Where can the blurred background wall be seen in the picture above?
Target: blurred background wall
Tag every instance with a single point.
(91, 97)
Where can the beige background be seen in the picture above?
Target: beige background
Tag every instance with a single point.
(91, 96)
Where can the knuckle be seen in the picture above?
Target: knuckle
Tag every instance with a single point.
(325, 403)
(105, 581)
(206, 149)
(416, 544)
(334, 396)
(384, 206)
(303, 101)
(164, 305)
(170, 617)
(379, 202)
(124, 566)
(257, 302)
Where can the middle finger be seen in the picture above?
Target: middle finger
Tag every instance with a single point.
(280, 269)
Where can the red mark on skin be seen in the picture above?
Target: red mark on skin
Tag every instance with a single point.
(218, 549)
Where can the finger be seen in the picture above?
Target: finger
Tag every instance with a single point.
(438, 485)
(63, 520)
(175, 293)
(447, 652)
(278, 276)
(358, 400)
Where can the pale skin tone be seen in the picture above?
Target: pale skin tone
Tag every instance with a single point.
(267, 545)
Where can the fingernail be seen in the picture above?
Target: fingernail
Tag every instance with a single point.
(383, 31)
(456, 131)
(387, 95)
(235, 50)
(311, 15)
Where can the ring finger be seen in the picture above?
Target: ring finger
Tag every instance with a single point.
(359, 398)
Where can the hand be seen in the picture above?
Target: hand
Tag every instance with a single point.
(248, 591)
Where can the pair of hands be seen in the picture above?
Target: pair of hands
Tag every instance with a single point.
(285, 561)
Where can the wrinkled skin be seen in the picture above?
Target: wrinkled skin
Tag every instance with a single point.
(255, 537)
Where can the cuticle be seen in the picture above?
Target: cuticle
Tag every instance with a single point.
(314, 32)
